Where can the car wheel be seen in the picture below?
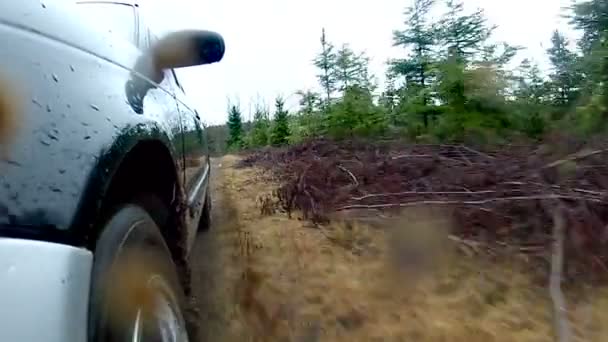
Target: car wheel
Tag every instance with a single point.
(135, 291)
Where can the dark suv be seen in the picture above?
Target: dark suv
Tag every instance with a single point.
(104, 172)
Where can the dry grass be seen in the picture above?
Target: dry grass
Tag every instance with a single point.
(398, 279)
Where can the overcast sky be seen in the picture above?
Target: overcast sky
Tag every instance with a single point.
(270, 43)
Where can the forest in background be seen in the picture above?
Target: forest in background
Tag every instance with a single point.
(452, 84)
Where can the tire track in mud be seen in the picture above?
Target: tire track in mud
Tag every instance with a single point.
(215, 265)
(224, 281)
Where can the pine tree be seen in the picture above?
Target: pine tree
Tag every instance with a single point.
(531, 88)
(363, 77)
(420, 38)
(591, 17)
(310, 119)
(326, 61)
(352, 69)
(388, 99)
(347, 68)
(235, 127)
(280, 128)
(309, 101)
(462, 35)
(355, 115)
(530, 94)
(462, 38)
(565, 79)
(261, 126)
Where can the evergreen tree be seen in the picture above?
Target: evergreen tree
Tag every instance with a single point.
(326, 61)
(591, 17)
(364, 78)
(280, 129)
(347, 68)
(565, 80)
(309, 101)
(235, 127)
(309, 121)
(530, 95)
(352, 69)
(531, 87)
(492, 66)
(261, 127)
(420, 38)
(388, 99)
(355, 115)
(462, 35)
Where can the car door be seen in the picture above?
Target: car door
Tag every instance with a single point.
(196, 156)
(169, 85)
(194, 152)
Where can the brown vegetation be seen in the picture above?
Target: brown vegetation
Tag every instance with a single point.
(496, 197)
(393, 278)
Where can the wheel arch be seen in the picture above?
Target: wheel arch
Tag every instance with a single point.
(141, 160)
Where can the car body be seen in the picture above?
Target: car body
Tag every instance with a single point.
(82, 143)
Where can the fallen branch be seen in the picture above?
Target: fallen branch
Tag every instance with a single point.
(404, 193)
(476, 202)
(355, 181)
(465, 158)
(476, 152)
(562, 325)
(411, 156)
(473, 245)
(576, 156)
(557, 187)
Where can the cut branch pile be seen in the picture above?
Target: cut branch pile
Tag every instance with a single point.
(496, 195)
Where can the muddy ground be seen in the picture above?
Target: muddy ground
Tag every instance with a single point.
(271, 278)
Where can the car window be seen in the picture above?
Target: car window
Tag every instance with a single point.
(111, 17)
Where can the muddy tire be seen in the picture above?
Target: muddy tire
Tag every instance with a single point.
(135, 289)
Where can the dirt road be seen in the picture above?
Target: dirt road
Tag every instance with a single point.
(270, 278)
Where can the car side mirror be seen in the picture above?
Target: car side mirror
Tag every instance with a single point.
(176, 50)
(188, 48)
